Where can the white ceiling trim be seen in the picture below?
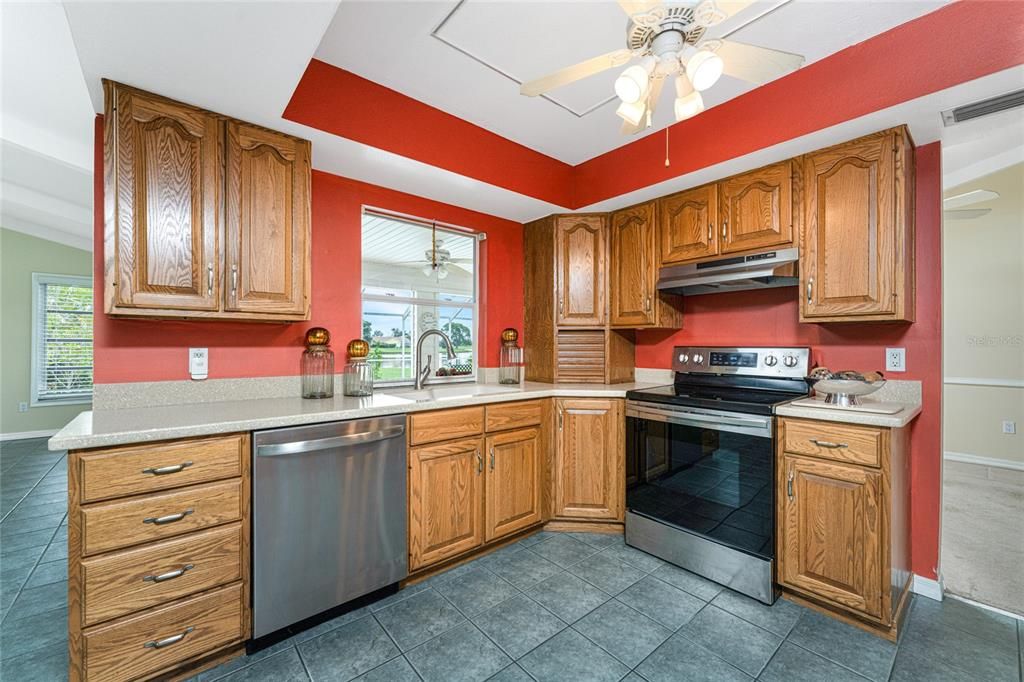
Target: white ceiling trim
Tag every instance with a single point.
(985, 166)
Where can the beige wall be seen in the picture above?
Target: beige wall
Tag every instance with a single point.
(20, 256)
(983, 320)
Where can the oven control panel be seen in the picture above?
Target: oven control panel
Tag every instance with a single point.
(778, 362)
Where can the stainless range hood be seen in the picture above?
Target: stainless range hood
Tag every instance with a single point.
(735, 273)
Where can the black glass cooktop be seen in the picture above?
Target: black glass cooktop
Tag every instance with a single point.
(750, 400)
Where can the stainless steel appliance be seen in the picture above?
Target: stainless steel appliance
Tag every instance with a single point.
(764, 270)
(329, 517)
(700, 462)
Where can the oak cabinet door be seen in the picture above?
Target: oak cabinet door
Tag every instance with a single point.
(688, 225)
(756, 208)
(831, 532)
(589, 467)
(163, 189)
(633, 270)
(445, 500)
(580, 252)
(513, 481)
(267, 222)
(848, 263)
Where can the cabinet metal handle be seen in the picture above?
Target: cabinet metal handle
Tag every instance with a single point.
(810, 288)
(725, 228)
(559, 419)
(170, 518)
(479, 462)
(710, 233)
(169, 575)
(648, 304)
(234, 279)
(492, 459)
(167, 641)
(828, 444)
(789, 485)
(171, 469)
(561, 305)
(209, 279)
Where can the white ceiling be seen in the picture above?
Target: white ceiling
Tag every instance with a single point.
(392, 43)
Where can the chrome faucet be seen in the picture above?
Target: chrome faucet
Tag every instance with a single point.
(422, 374)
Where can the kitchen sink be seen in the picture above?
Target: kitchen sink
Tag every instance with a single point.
(453, 392)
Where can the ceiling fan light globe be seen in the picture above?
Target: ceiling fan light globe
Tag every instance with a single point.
(688, 106)
(632, 85)
(683, 86)
(704, 69)
(632, 113)
(442, 271)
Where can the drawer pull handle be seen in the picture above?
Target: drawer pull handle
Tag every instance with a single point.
(170, 575)
(829, 444)
(167, 641)
(170, 518)
(172, 469)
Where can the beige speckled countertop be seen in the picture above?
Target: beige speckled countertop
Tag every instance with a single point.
(104, 427)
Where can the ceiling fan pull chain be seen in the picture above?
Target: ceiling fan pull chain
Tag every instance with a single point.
(667, 162)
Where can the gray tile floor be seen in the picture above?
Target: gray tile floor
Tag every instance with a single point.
(554, 606)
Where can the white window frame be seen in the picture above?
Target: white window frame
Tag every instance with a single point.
(38, 308)
(474, 306)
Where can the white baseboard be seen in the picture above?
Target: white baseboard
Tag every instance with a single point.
(926, 587)
(45, 433)
(968, 458)
(994, 609)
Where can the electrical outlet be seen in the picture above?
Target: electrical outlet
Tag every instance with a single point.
(895, 359)
(1010, 427)
(198, 363)
(22, 407)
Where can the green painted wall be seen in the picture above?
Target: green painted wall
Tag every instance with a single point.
(20, 256)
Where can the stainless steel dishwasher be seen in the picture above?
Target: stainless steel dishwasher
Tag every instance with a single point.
(328, 517)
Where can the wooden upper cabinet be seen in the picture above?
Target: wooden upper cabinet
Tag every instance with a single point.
(513, 481)
(633, 267)
(756, 208)
(857, 260)
(163, 204)
(831, 537)
(580, 270)
(268, 217)
(688, 225)
(446, 488)
(205, 216)
(589, 467)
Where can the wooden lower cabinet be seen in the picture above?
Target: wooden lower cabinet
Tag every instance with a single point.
(589, 467)
(843, 526)
(513, 481)
(446, 491)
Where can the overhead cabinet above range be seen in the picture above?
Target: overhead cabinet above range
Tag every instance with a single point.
(205, 216)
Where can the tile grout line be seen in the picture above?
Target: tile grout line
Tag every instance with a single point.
(32, 489)
(21, 589)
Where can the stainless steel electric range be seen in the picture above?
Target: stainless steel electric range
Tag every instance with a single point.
(700, 462)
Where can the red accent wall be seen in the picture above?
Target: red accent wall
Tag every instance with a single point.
(771, 317)
(156, 350)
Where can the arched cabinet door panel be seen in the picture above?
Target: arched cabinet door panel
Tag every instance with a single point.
(688, 225)
(580, 271)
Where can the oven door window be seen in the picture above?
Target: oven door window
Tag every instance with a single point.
(704, 480)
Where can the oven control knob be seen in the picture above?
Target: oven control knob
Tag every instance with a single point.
(698, 358)
(683, 358)
(771, 360)
(789, 361)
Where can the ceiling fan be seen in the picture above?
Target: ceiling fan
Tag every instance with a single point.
(668, 40)
(953, 207)
(437, 259)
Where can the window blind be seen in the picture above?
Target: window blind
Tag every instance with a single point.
(62, 338)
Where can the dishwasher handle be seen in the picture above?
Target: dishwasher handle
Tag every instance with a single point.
(303, 446)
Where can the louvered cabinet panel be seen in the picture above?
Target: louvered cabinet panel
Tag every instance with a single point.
(580, 356)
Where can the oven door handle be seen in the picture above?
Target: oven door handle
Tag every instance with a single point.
(688, 418)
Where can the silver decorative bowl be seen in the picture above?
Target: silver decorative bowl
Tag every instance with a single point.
(844, 392)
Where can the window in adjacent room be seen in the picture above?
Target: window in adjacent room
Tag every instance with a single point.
(61, 339)
(418, 276)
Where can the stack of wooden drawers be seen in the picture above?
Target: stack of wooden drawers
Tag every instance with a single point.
(158, 556)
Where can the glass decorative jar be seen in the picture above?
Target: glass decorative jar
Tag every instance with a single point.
(318, 365)
(510, 360)
(357, 378)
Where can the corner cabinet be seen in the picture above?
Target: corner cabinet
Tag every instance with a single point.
(205, 216)
(635, 300)
(843, 519)
(589, 468)
(857, 262)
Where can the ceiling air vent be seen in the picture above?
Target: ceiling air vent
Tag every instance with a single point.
(985, 107)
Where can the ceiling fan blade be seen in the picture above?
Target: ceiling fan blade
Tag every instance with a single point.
(966, 213)
(652, 104)
(575, 72)
(756, 64)
(631, 7)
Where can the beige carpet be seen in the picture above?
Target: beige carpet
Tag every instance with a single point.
(983, 534)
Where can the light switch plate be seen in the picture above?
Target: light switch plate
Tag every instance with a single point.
(198, 363)
(895, 359)
(1009, 427)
